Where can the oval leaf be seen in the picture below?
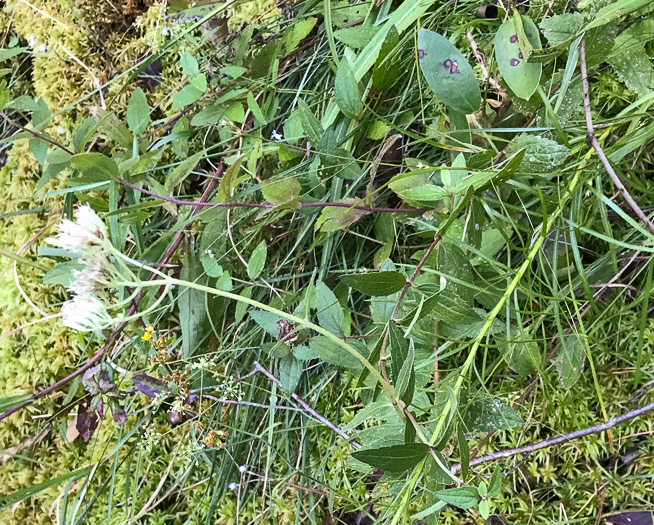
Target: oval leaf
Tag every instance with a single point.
(148, 385)
(378, 283)
(521, 76)
(257, 261)
(396, 458)
(448, 72)
(462, 497)
(346, 91)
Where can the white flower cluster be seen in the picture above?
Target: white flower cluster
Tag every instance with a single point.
(86, 237)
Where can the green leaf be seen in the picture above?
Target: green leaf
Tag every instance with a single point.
(356, 37)
(461, 497)
(615, 11)
(62, 273)
(484, 509)
(9, 402)
(28, 492)
(255, 109)
(378, 283)
(281, 191)
(570, 359)
(495, 483)
(6, 54)
(257, 260)
(634, 68)
(426, 194)
(39, 149)
(333, 218)
(290, 371)
(96, 165)
(464, 451)
(402, 358)
(482, 490)
(522, 356)
(200, 83)
(384, 72)
(186, 96)
(297, 33)
(346, 91)
(489, 413)
(241, 307)
(229, 181)
(330, 311)
(268, 321)
(521, 76)
(191, 303)
(396, 458)
(181, 172)
(189, 64)
(561, 28)
(542, 155)
(138, 112)
(448, 72)
(310, 124)
(235, 112)
(208, 116)
(334, 354)
(211, 266)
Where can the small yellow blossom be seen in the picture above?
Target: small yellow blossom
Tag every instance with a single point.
(147, 336)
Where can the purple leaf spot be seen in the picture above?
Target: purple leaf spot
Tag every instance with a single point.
(514, 61)
(455, 68)
(513, 39)
(447, 64)
(520, 55)
(421, 54)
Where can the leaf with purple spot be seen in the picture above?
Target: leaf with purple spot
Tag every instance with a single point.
(448, 72)
(520, 75)
(148, 385)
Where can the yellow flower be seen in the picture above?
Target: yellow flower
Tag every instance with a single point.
(147, 336)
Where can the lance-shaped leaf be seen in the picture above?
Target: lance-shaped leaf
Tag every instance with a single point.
(448, 72)
(148, 385)
(396, 458)
(377, 283)
(521, 76)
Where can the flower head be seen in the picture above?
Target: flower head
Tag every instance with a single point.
(276, 136)
(165, 30)
(85, 313)
(32, 40)
(243, 469)
(61, 131)
(87, 230)
(88, 280)
(43, 48)
(233, 486)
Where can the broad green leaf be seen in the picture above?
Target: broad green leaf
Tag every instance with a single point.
(235, 112)
(448, 72)
(384, 72)
(346, 91)
(290, 371)
(634, 68)
(334, 354)
(427, 194)
(281, 191)
(561, 28)
(396, 458)
(484, 508)
(95, 165)
(615, 11)
(381, 307)
(542, 155)
(268, 321)
(181, 172)
(186, 96)
(522, 356)
(356, 37)
(211, 266)
(570, 359)
(461, 497)
(208, 116)
(200, 83)
(189, 64)
(39, 149)
(378, 130)
(378, 283)
(487, 413)
(330, 311)
(333, 218)
(138, 112)
(521, 76)
(482, 489)
(62, 273)
(257, 260)
(297, 33)
(310, 124)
